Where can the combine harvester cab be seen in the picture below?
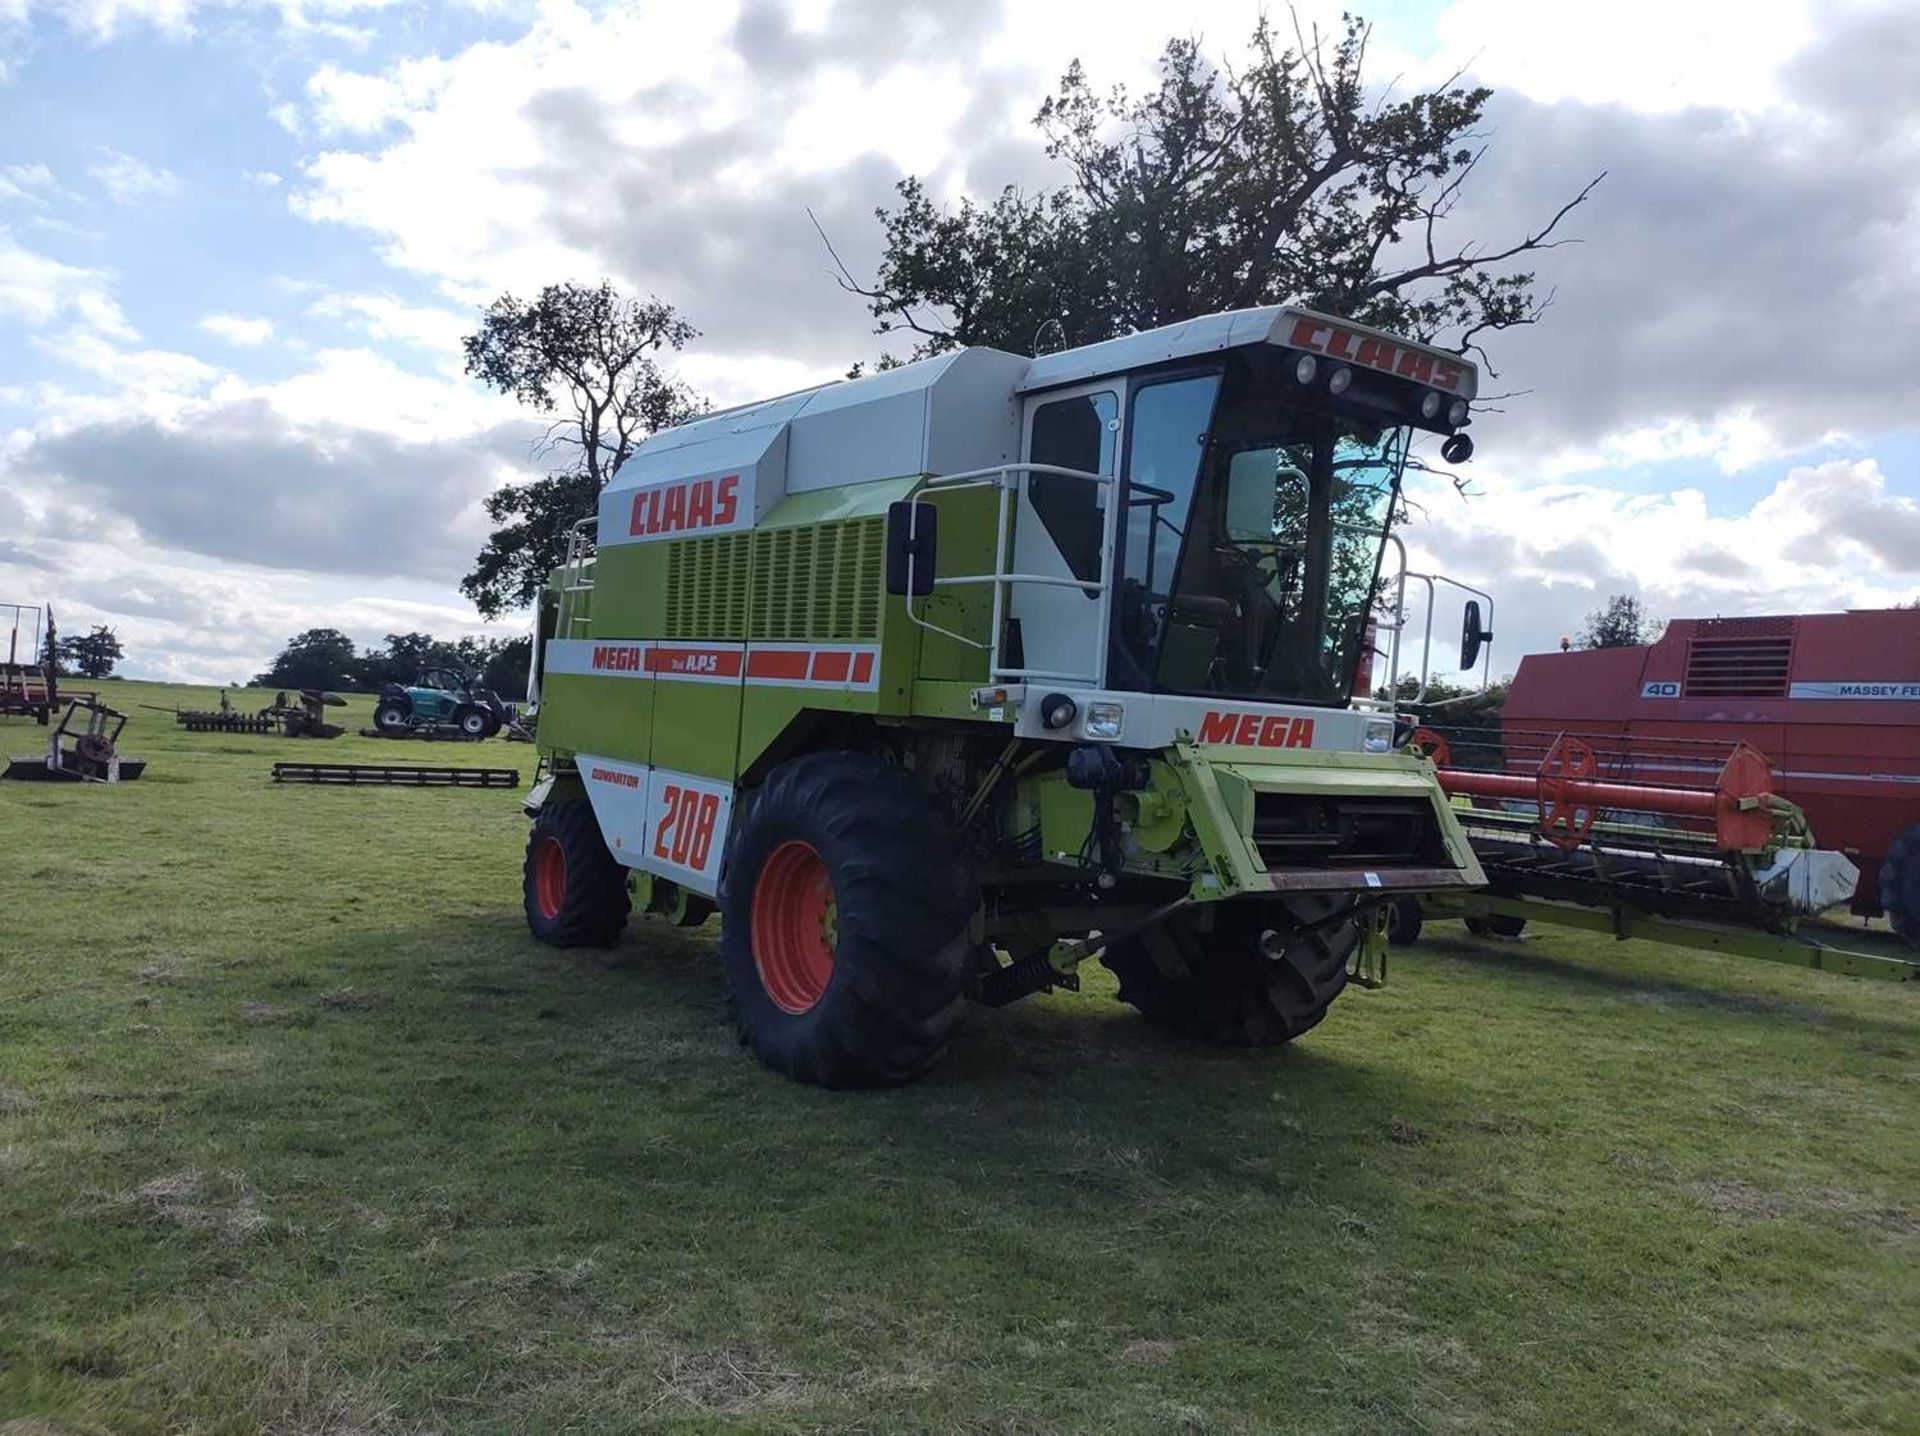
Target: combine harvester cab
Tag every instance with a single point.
(940, 681)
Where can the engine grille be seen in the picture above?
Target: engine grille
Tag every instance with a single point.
(1739, 665)
(812, 582)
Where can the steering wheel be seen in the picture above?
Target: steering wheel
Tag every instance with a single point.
(1244, 560)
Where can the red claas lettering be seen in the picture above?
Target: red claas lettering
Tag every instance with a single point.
(678, 508)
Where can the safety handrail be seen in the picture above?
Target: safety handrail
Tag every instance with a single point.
(1009, 479)
(573, 577)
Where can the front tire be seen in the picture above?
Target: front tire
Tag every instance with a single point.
(1264, 975)
(1900, 885)
(575, 893)
(845, 911)
(472, 721)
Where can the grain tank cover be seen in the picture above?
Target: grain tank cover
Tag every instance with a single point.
(944, 415)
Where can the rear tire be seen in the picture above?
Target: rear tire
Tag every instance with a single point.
(1404, 922)
(1496, 925)
(391, 718)
(1900, 885)
(1254, 981)
(845, 912)
(575, 893)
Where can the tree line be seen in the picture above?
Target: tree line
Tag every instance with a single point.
(327, 658)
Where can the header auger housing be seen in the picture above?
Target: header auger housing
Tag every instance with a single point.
(939, 682)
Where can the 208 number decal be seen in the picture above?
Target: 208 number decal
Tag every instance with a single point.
(685, 834)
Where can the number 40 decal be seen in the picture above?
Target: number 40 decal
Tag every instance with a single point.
(684, 836)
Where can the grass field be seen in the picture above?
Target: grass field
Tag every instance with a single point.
(300, 1133)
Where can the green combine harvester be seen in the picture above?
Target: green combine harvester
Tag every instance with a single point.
(939, 682)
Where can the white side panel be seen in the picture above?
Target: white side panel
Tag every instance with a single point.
(974, 421)
(687, 821)
(671, 824)
(883, 438)
(618, 792)
(715, 487)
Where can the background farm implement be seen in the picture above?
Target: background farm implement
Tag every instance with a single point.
(1568, 833)
(302, 716)
(83, 747)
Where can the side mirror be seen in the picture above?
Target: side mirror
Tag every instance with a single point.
(913, 532)
(1472, 636)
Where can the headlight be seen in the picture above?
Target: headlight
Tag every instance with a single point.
(1339, 381)
(1379, 735)
(1457, 415)
(1104, 721)
(1430, 403)
(1305, 368)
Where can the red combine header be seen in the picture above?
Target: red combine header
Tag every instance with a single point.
(1832, 699)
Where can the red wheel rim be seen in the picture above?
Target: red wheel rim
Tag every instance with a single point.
(795, 922)
(550, 877)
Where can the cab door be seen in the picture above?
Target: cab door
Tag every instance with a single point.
(1059, 527)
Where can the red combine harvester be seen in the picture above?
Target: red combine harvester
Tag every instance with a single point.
(1832, 699)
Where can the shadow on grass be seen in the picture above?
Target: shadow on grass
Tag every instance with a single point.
(1073, 1089)
(1582, 973)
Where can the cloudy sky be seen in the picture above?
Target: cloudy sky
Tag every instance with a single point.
(239, 242)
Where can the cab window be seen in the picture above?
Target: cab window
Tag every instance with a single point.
(1076, 433)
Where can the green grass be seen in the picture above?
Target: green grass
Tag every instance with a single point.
(300, 1133)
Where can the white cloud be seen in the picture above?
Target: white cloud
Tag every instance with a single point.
(265, 179)
(25, 184)
(1825, 536)
(37, 291)
(127, 178)
(104, 20)
(382, 317)
(346, 102)
(1647, 54)
(236, 329)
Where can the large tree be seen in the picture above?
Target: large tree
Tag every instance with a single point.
(318, 658)
(1282, 178)
(91, 655)
(1622, 623)
(585, 357)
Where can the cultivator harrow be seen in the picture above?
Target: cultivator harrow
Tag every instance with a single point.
(1720, 862)
(302, 717)
(401, 775)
